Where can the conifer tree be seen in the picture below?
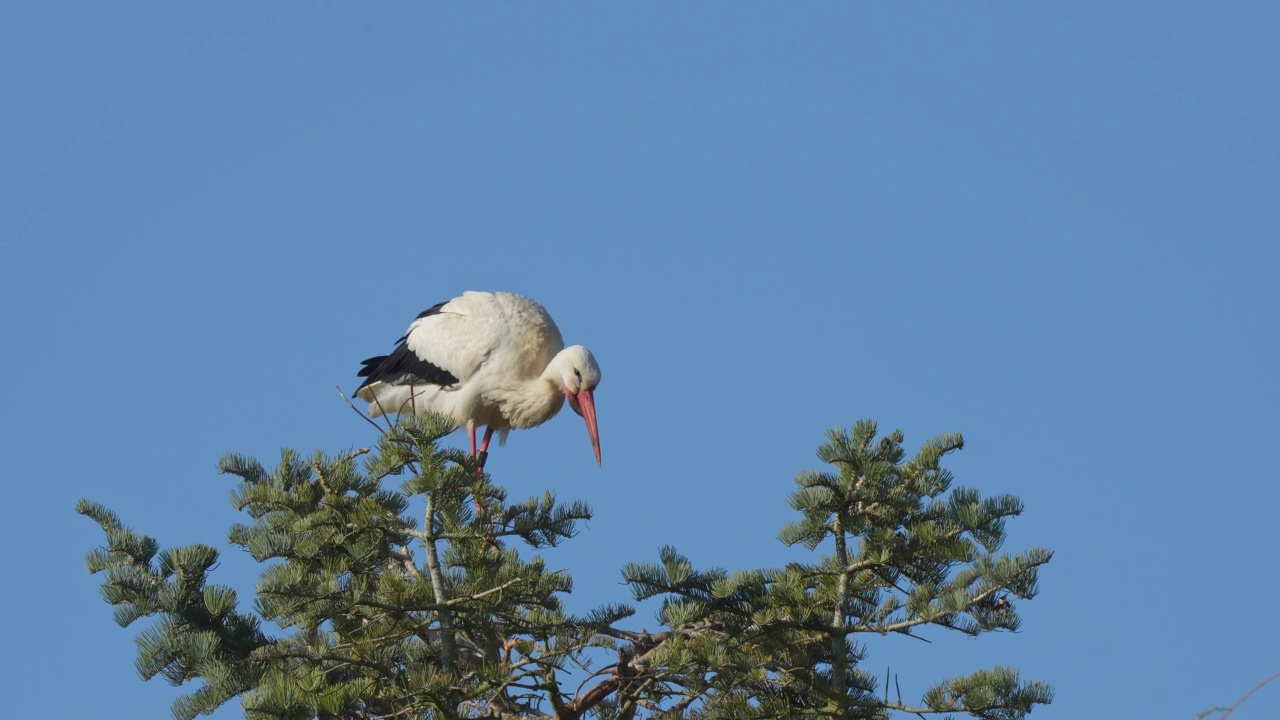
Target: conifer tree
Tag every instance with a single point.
(415, 602)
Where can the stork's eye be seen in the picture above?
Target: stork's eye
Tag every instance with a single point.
(577, 374)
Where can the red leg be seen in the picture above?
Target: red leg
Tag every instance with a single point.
(483, 455)
(484, 448)
(471, 432)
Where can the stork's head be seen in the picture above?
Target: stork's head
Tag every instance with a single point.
(576, 369)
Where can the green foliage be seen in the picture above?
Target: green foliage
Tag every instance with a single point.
(199, 633)
(386, 614)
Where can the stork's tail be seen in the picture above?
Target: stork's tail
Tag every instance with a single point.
(370, 367)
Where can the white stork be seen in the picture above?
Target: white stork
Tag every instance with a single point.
(492, 359)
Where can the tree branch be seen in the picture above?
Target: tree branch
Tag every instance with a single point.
(437, 584)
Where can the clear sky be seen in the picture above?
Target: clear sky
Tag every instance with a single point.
(1049, 226)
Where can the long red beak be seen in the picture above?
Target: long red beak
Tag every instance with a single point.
(585, 403)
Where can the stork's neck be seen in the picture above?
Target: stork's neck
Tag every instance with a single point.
(532, 402)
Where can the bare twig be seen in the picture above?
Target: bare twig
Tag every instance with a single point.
(606, 670)
(1231, 710)
(645, 649)
(378, 401)
(411, 403)
(437, 606)
(685, 703)
(582, 703)
(361, 414)
(490, 591)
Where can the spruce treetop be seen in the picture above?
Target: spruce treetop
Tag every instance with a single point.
(396, 579)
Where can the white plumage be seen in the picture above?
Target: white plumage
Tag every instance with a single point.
(492, 359)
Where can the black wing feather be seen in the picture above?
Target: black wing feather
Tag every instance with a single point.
(433, 310)
(403, 367)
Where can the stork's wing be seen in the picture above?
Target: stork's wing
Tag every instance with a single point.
(444, 346)
(402, 367)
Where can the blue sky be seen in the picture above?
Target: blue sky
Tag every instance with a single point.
(1051, 227)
